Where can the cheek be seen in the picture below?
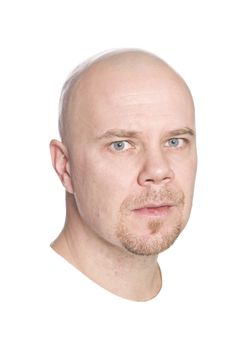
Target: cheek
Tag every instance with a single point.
(184, 167)
(185, 173)
(100, 188)
(100, 192)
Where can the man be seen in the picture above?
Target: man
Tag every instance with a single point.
(127, 159)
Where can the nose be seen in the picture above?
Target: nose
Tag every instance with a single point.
(156, 169)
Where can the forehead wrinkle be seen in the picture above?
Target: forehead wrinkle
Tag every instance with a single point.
(136, 98)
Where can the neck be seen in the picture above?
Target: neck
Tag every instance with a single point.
(125, 274)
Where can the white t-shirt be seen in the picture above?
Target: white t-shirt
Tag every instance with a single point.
(55, 306)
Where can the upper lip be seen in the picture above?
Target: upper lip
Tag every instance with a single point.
(155, 205)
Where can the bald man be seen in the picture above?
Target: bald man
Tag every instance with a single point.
(127, 160)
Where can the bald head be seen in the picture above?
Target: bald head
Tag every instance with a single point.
(104, 74)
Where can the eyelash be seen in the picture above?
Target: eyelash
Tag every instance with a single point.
(118, 142)
(183, 140)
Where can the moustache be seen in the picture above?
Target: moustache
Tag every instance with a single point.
(161, 197)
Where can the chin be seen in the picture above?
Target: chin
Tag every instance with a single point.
(155, 241)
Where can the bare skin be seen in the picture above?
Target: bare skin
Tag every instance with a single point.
(128, 162)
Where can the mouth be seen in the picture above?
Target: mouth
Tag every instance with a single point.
(154, 210)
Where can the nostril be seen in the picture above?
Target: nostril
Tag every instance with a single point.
(157, 180)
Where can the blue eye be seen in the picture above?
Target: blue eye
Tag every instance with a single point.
(174, 142)
(119, 145)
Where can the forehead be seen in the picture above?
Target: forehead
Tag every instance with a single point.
(127, 98)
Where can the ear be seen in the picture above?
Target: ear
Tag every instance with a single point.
(60, 162)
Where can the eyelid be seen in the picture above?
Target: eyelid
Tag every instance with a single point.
(116, 141)
(178, 138)
(119, 141)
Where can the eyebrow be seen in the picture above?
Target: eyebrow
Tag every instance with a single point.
(182, 131)
(128, 133)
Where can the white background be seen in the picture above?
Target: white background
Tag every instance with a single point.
(205, 41)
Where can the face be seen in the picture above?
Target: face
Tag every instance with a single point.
(133, 158)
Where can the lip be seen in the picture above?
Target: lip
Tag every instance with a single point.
(154, 209)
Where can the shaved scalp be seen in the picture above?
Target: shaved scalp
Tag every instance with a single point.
(117, 59)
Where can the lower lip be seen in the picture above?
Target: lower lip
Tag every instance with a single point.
(159, 211)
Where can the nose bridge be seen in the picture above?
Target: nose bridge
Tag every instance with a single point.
(156, 167)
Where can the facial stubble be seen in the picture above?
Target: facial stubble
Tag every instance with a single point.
(161, 233)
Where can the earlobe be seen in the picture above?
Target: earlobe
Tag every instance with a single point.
(60, 162)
